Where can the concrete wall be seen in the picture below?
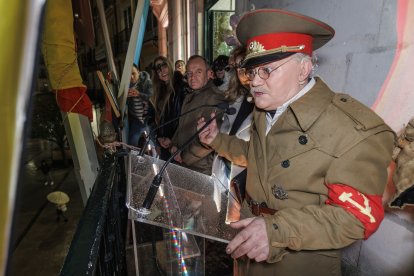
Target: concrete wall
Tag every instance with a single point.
(356, 61)
(371, 58)
(368, 57)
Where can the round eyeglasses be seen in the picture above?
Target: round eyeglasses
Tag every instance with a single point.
(263, 72)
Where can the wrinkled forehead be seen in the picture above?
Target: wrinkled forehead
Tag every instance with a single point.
(195, 64)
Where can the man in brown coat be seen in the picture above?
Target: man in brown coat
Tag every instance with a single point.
(196, 156)
(316, 160)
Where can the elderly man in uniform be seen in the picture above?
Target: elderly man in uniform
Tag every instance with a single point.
(316, 160)
(203, 92)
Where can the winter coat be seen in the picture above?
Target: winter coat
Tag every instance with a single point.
(322, 143)
(138, 106)
(197, 156)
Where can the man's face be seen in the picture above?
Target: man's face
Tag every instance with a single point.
(197, 75)
(134, 75)
(220, 73)
(282, 84)
(180, 66)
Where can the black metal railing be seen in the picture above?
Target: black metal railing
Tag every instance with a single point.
(98, 246)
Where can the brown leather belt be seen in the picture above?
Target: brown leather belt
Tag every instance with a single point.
(258, 208)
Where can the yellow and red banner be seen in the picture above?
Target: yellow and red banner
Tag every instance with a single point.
(60, 56)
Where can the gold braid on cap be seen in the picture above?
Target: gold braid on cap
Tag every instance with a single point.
(257, 49)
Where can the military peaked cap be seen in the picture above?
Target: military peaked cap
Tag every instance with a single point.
(271, 35)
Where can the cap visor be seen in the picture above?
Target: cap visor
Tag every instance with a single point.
(255, 61)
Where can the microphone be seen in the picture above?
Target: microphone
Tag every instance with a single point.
(152, 192)
(223, 106)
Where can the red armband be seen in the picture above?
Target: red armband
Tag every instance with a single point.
(366, 208)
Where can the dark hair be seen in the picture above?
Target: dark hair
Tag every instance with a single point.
(161, 90)
(136, 66)
(239, 51)
(236, 88)
(220, 62)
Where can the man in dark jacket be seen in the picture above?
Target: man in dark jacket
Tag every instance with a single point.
(196, 156)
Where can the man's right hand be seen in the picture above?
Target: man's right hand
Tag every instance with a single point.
(251, 241)
(177, 158)
(210, 132)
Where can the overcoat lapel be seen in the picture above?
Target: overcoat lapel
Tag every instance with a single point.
(295, 122)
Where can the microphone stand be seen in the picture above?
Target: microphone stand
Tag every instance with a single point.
(141, 153)
(152, 192)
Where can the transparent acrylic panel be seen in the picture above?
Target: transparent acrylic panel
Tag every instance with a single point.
(168, 256)
(178, 259)
(164, 211)
(187, 201)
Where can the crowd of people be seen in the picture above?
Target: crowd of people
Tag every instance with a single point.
(308, 164)
(172, 91)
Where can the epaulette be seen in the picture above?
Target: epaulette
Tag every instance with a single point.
(364, 117)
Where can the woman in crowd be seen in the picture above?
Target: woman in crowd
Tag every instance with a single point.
(237, 124)
(221, 72)
(167, 99)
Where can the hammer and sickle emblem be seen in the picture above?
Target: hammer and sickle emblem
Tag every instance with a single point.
(366, 209)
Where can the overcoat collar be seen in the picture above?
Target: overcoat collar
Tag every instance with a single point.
(305, 110)
(193, 94)
(209, 85)
(311, 105)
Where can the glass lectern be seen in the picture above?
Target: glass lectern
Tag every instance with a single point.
(188, 205)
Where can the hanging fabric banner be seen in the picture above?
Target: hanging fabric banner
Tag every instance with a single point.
(60, 56)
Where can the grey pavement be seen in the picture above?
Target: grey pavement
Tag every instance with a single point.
(40, 242)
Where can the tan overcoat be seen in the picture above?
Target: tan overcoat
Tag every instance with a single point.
(322, 138)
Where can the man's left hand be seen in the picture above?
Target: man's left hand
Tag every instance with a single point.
(209, 133)
(177, 158)
(252, 241)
